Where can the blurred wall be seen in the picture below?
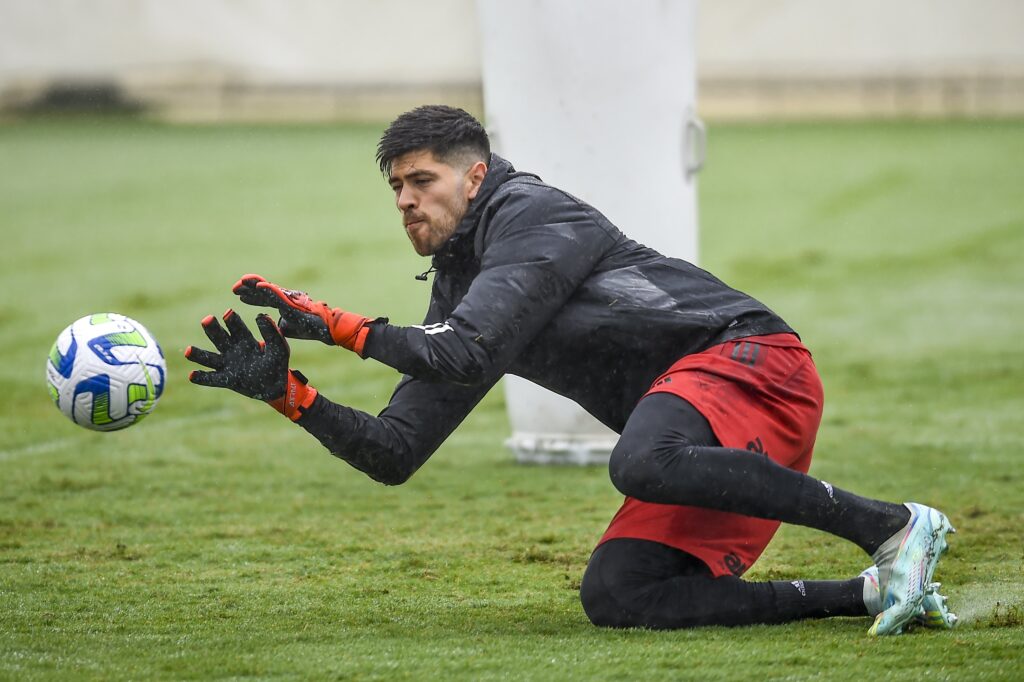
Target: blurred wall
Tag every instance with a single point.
(351, 59)
(840, 58)
(246, 59)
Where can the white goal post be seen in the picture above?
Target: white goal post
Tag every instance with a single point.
(598, 98)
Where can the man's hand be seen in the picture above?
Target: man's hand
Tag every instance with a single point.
(256, 369)
(304, 318)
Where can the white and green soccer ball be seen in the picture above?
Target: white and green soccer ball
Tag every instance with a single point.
(105, 372)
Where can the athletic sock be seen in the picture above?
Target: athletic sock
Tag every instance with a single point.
(861, 520)
(819, 598)
(744, 483)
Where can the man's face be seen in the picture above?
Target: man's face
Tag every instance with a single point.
(432, 197)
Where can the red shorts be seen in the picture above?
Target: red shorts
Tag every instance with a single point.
(761, 394)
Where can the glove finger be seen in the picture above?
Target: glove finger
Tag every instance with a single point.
(204, 357)
(296, 325)
(275, 343)
(240, 333)
(249, 295)
(285, 327)
(248, 281)
(216, 333)
(214, 379)
(248, 292)
(287, 298)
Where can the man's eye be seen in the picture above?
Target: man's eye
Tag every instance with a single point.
(422, 182)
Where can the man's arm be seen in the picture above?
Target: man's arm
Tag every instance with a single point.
(390, 447)
(537, 251)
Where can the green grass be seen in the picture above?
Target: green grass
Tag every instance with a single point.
(216, 540)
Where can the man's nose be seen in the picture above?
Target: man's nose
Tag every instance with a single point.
(406, 199)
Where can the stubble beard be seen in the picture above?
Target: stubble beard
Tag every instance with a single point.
(440, 231)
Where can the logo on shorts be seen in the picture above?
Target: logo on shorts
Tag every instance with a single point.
(746, 353)
(799, 585)
(757, 446)
(734, 564)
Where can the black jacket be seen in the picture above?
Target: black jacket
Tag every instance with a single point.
(536, 283)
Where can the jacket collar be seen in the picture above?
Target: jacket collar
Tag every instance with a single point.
(499, 171)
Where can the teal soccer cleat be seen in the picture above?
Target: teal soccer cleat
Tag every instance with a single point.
(906, 563)
(934, 612)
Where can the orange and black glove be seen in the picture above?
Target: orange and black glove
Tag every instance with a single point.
(256, 369)
(304, 318)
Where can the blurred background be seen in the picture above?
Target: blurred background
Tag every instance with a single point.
(345, 60)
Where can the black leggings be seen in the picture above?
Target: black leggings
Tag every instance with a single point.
(668, 454)
(638, 583)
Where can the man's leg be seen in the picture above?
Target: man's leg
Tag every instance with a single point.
(656, 460)
(638, 583)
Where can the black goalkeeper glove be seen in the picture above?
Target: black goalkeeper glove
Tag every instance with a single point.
(304, 318)
(256, 369)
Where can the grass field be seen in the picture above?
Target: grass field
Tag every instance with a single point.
(216, 540)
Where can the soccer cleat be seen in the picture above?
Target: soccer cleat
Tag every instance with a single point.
(906, 562)
(872, 593)
(933, 614)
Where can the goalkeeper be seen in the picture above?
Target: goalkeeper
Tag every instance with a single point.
(716, 399)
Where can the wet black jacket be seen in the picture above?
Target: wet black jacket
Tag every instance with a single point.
(535, 283)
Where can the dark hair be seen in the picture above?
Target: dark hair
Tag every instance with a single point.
(448, 133)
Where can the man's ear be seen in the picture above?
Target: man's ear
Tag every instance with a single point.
(475, 178)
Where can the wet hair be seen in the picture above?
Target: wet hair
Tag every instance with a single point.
(452, 135)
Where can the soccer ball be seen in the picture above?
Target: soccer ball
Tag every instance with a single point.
(105, 372)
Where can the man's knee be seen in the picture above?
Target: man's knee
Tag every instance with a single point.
(659, 441)
(617, 604)
(598, 600)
(629, 465)
(641, 468)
